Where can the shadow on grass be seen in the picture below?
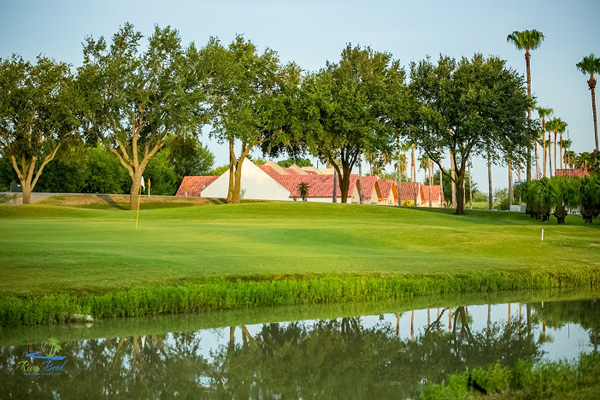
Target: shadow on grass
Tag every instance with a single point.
(505, 217)
(111, 202)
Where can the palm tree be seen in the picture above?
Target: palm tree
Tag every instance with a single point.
(571, 158)
(558, 126)
(591, 65)
(425, 164)
(551, 126)
(370, 158)
(547, 144)
(566, 144)
(414, 174)
(303, 189)
(527, 40)
(543, 113)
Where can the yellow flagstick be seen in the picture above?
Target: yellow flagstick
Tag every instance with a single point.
(137, 218)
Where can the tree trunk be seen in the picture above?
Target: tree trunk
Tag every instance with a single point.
(231, 172)
(238, 181)
(470, 189)
(413, 175)
(528, 163)
(231, 183)
(345, 185)
(490, 192)
(26, 188)
(334, 195)
(550, 154)
(560, 218)
(453, 175)
(592, 86)
(360, 186)
(561, 152)
(510, 183)
(135, 190)
(537, 165)
(460, 192)
(544, 154)
(399, 173)
(555, 163)
(519, 164)
(430, 180)
(441, 179)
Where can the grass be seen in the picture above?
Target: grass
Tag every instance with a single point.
(56, 258)
(548, 380)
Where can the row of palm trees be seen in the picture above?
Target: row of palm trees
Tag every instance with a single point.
(530, 40)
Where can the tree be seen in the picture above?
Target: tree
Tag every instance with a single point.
(527, 40)
(425, 165)
(252, 98)
(468, 107)
(138, 98)
(590, 65)
(303, 188)
(563, 196)
(104, 173)
(39, 113)
(161, 171)
(566, 145)
(557, 126)
(189, 156)
(300, 162)
(543, 113)
(352, 107)
(588, 197)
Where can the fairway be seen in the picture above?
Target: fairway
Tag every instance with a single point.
(48, 249)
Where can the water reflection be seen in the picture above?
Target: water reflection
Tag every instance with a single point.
(382, 356)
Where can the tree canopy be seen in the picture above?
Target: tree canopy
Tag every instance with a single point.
(468, 107)
(39, 111)
(347, 107)
(137, 97)
(252, 96)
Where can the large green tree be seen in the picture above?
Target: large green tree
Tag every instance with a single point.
(138, 97)
(252, 97)
(350, 107)
(39, 114)
(527, 40)
(590, 65)
(467, 108)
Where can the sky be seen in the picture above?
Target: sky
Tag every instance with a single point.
(312, 32)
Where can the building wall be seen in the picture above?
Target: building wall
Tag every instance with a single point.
(256, 185)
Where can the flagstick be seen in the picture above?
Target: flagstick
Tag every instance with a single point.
(137, 218)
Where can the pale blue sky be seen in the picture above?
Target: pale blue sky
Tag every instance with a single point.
(311, 32)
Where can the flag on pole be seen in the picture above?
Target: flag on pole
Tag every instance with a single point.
(143, 184)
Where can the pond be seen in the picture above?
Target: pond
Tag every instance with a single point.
(385, 350)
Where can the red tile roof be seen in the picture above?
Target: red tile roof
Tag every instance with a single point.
(435, 193)
(368, 183)
(319, 186)
(385, 185)
(578, 172)
(407, 191)
(196, 184)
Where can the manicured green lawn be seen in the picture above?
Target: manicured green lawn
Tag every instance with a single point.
(46, 249)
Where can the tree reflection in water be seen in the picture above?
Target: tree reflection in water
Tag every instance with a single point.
(339, 358)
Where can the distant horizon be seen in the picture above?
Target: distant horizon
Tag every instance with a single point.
(310, 33)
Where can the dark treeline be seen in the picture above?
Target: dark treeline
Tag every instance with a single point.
(145, 105)
(82, 169)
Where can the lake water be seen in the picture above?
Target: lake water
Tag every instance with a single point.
(385, 350)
